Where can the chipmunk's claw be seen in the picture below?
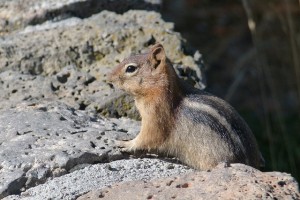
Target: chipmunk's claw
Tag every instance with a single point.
(124, 146)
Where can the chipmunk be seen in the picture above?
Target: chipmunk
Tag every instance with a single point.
(200, 129)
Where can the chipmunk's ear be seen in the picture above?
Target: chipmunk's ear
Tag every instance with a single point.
(157, 54)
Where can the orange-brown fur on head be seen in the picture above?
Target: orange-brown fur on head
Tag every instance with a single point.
(151, 79)
(144, 74)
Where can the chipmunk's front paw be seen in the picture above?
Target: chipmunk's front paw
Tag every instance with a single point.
(125, 146)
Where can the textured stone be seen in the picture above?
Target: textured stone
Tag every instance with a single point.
(69, 60)
(50, 139)
(97, 176)
(236, 182)
(16, 14)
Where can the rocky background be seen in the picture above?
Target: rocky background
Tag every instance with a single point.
(59, 118)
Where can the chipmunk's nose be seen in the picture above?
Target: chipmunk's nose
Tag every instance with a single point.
(113, 78)
(110, 80)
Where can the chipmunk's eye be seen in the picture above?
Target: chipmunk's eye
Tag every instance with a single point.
(131, 68)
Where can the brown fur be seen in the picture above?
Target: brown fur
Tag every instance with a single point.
(166, 104)
(152, 99)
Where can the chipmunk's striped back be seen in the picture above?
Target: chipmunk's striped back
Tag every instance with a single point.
(211, 130)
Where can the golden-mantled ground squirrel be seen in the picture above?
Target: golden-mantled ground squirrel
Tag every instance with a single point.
(198, 128)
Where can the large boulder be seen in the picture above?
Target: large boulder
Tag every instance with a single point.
(52, 151)
(17, 14)
(69, 60)
(42, 141)
(235, 182)
(39, 141)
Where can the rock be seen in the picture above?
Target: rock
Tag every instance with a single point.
(69, 60)
(236, 182)
(50, 139)
(79, 182)
(16, 14)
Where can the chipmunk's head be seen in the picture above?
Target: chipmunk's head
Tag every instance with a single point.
(140, 73)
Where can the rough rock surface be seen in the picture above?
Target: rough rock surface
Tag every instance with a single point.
(68, 60)
(16, 14)
(52, 139)
(91, 177)
(48, 140)
(236, 182)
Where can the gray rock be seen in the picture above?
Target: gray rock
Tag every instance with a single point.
(17, 87)
(16, 14)
(69, 60)
(50, 139)
(235, 182)
(92, 177)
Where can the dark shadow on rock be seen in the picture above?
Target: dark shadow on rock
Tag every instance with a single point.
(85, 9)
